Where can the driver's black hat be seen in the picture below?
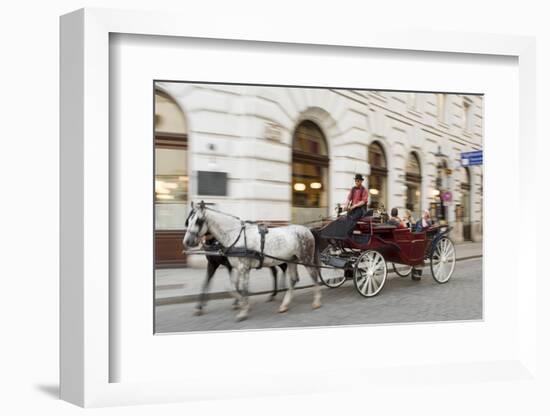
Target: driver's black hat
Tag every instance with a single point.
(359, 177)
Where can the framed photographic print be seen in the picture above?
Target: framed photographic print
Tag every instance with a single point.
(377, 194)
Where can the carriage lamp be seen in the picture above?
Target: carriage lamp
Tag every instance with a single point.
(299, 187)
(315, 185)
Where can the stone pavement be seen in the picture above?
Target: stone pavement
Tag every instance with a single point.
(184, 284)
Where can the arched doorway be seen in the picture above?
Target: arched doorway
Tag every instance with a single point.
(413, 183)
(465, 204)
(378, 178)
(171, 180)
(310, 163)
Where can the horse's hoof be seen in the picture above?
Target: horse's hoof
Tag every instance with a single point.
(283, 309)
(241, 317)
(271, 298)
(235, 306)
(198, 312)
(316, 305)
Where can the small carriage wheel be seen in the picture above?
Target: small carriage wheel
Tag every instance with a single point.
(332, 277)
(403, 272)
(369, 274)
(443, 260)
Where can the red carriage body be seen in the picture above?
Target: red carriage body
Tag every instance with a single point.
(397, 245)
(363, 253)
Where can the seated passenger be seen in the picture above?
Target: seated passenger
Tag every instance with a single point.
(425, 222)
(426, 219)
(408, 219)
(395, 220)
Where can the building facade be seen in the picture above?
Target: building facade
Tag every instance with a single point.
(290, 154)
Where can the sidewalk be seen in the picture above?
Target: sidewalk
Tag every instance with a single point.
(185, 284)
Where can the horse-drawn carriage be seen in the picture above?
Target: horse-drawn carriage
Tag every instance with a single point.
(360, 254)
(363, 254)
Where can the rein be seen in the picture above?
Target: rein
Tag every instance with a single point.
(243, 228)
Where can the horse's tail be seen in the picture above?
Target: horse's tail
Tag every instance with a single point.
(317, 251)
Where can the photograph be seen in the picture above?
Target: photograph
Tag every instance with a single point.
(282, 206)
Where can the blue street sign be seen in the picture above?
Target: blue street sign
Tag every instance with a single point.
(471, 158)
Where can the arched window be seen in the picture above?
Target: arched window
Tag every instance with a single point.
(309, 173)
(413, 182)
(171, 180)
(169, 121)
(377, 183)
(171, 176)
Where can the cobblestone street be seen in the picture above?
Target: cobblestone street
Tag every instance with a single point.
(401, 300)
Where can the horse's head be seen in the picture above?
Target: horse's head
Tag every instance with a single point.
(196, 225)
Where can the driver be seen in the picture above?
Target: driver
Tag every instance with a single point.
(356, 203)
(356, 207)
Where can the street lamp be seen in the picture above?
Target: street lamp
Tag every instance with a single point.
(437, 194)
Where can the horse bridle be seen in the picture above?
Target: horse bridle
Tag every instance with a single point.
(200, 222)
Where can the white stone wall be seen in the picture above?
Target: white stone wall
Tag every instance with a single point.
(247, 132)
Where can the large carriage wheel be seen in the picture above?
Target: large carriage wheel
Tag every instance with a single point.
(332, 277)
(370, 273)
(442, 260)
(403, 272)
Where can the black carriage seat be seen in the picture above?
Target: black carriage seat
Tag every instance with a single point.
(338, 229)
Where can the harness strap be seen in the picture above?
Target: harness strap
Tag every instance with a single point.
(226, 250)
(263, 230)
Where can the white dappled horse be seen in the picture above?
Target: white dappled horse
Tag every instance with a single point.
(289, 244)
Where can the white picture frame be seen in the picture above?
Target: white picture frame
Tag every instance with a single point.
(85, 165)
